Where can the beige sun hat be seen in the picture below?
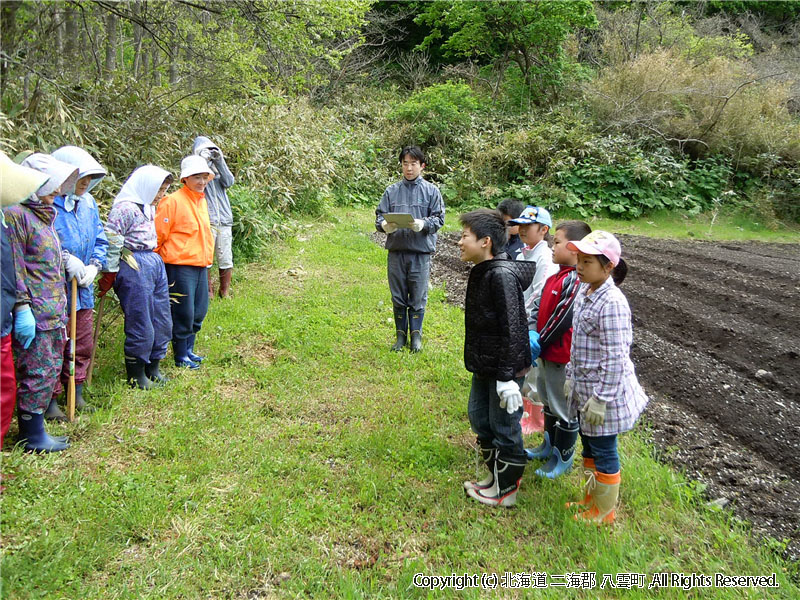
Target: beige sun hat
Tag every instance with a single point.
(18, 182)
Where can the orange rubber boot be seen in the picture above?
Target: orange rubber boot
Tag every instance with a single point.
(605, 495)
(588, 486)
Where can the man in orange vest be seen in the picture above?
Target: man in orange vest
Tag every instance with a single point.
(186, 245)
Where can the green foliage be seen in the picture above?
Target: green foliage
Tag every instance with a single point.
(436, 114)
(530, 34)
(256, 225)
(626, 181)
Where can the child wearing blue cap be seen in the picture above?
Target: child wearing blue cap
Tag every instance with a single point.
(534, 229)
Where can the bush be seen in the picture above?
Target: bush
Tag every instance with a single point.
(714, 107)
(437, 114)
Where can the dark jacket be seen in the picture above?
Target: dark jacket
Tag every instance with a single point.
(422, 200)
(9, 289)
(496, 325)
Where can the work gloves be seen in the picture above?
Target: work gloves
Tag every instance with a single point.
(24, 326)
(105, 283)
(89, 273)
(510, 396)
(388, 227)
(74, 267)
(418, 225)
(533, 338)
(211, 153)
(594, 411)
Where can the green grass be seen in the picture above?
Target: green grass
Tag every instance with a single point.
(306, 460)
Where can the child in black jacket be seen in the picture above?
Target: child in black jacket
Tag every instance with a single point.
(496, 352)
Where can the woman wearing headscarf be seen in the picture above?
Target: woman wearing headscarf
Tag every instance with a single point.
(140, 281)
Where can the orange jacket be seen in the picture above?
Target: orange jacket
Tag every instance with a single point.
(184, 230)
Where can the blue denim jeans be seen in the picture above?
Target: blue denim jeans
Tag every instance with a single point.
(492, 424)
(603, 449)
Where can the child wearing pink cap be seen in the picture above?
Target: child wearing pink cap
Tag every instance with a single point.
(601, 389)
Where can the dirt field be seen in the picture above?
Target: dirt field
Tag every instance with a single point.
(716, 346)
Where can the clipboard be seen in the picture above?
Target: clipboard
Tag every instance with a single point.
(402, 220)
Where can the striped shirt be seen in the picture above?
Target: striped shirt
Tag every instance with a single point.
(600, 363)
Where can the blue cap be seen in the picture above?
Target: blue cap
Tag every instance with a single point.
(533, 214)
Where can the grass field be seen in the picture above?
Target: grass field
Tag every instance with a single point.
(306, 460)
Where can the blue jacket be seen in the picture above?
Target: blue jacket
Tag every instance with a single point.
(78, 223)
(81, 233)
(423, 201)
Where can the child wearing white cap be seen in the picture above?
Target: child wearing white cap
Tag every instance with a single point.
(186, 244)
(601, 389)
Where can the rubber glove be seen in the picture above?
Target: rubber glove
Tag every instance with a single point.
(418, 225)
(568, 389)
(594, 411)
(105, 283)
(510, 396)
(389, 227)
(88, 276)
(74, 267)
(24, 326)
(533, 338)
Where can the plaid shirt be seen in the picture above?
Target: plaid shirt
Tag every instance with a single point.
(600, 362)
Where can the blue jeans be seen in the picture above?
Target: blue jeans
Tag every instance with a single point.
(603, 449)
(492, 424)
(191, 307)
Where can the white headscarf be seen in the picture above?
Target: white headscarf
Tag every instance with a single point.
(87, 167)
(141, 188)
(62, 175)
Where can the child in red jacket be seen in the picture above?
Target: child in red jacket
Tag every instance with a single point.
(550, 325)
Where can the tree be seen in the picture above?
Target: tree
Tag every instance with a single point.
(530, 34)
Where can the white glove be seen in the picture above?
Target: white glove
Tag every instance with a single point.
(88, 276)
(74, 267)
(510, 396)
(389, 227)
(594, 411)
(418, 225)
(568, 389)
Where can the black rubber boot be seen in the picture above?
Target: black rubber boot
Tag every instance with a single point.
(154, 374)
(34, 437)
(416, 317)
(545, 449)
(134, 367)
(80, 404)
(190, 350)
(401, 325)
(507, 477)
(179, 349)
(54, 412)
(489, 455)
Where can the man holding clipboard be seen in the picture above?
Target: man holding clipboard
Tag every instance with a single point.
(411, 211)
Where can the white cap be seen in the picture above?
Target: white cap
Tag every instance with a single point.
(193, 164)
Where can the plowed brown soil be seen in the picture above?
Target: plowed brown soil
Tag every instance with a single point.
(716, 346)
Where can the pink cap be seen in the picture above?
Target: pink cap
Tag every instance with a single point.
(599, 242)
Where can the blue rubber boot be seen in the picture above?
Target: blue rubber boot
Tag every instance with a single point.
(190, 350)
(33, 435)
(179, 349)
(543, 450)
(563, 451)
